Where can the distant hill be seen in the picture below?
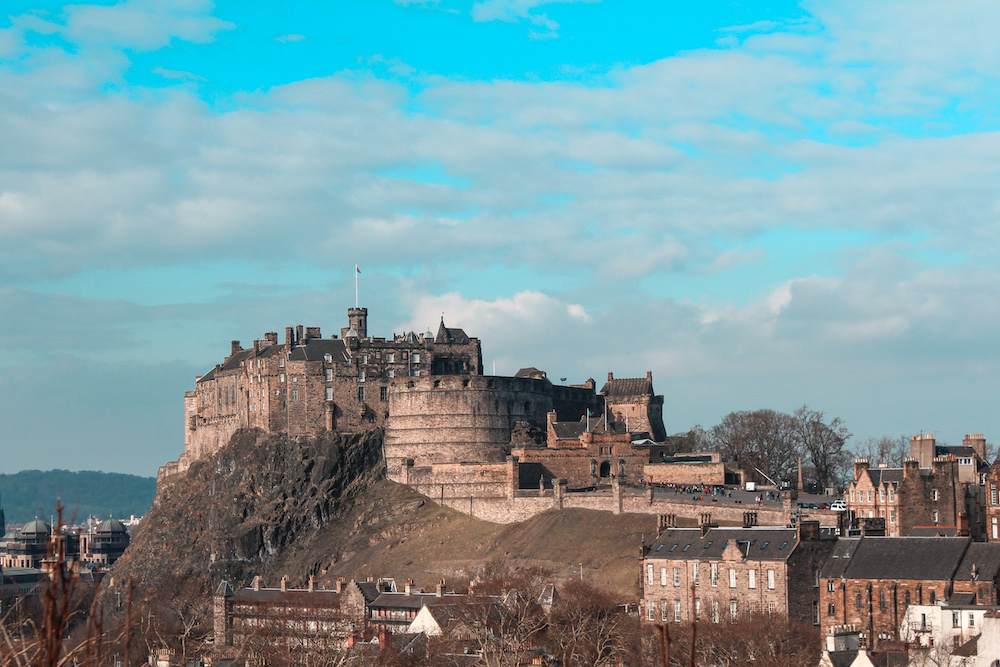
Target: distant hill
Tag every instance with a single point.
(32, 493)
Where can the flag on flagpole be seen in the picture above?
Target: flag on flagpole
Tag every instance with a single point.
(356, 268)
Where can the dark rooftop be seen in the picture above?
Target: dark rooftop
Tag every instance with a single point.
(755, 543)
(915, 558)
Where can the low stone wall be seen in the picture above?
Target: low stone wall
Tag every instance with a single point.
(685, 473)
(526, 504)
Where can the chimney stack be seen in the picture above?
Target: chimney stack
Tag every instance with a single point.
(409, 586)
(284, 583)
(440, 588)
(312, 583)
(340, 584)
(257, 583)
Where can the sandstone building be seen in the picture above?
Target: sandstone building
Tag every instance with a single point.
(869, 582)
(721, 574)
(937, 486)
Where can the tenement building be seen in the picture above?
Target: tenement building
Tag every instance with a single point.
(936, 486)
(722, 574)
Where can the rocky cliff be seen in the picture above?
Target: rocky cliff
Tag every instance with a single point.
(274, 506)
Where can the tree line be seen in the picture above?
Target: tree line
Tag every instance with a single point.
(768, 445)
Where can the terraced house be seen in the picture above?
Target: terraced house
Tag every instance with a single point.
(719, 574)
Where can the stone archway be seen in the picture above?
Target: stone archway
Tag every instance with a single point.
(606, 469)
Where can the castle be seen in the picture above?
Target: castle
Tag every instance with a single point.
(474, 442)
(310, 384)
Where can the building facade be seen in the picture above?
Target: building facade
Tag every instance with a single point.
(869, 582)
(936, 486)
(725, 574)
(309, 384)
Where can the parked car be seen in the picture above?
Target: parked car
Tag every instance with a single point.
(838, 506)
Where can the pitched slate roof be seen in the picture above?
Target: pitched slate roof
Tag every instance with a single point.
(985, 556)
(314, 349)
(755, 543)
(916, 558)
(454, 335)
(839, 557)
(626, 387)
(297, 597)
(885, 475)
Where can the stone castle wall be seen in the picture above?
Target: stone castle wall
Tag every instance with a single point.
(456, 419)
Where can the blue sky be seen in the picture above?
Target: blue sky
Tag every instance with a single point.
(766, 204)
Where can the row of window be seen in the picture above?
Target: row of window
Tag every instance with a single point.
(670, 610)
(861, 495)
(696, 576)
(390, 357)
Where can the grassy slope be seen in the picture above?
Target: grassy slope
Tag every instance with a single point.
(394, 532)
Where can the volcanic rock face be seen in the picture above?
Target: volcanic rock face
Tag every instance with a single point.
(242, 511)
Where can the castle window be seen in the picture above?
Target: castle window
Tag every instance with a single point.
(732, 577)
(664, 615)
(390, 373)
(934, 494)
(859, 602)
(751, 578)
(281, 362)
(281, 377)
(733, 609)
(934, 515)
(416, 357)
(715, 574)
(361, 394)
(663, 574)
(892, 516)
(383, 393)
(881, 599)
(295, 394)
(650, 578)
(770, 579)
(677, 611)
(390, 357)
(677, 575)
(890, 494)
(416, 372)
(830, 586)
(361, 375)
(328, 375)
(695, 567)
(329, 393)
(328, 358)
(364, 358)
(277, 392)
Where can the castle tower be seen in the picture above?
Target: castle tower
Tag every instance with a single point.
(357, 319)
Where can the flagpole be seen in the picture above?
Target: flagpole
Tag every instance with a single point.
(356, 272)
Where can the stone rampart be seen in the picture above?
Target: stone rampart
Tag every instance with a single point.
(452, 419)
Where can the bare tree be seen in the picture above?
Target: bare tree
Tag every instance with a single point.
(824, 443)
(762, 439)
(883, 449)
(587, 628)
